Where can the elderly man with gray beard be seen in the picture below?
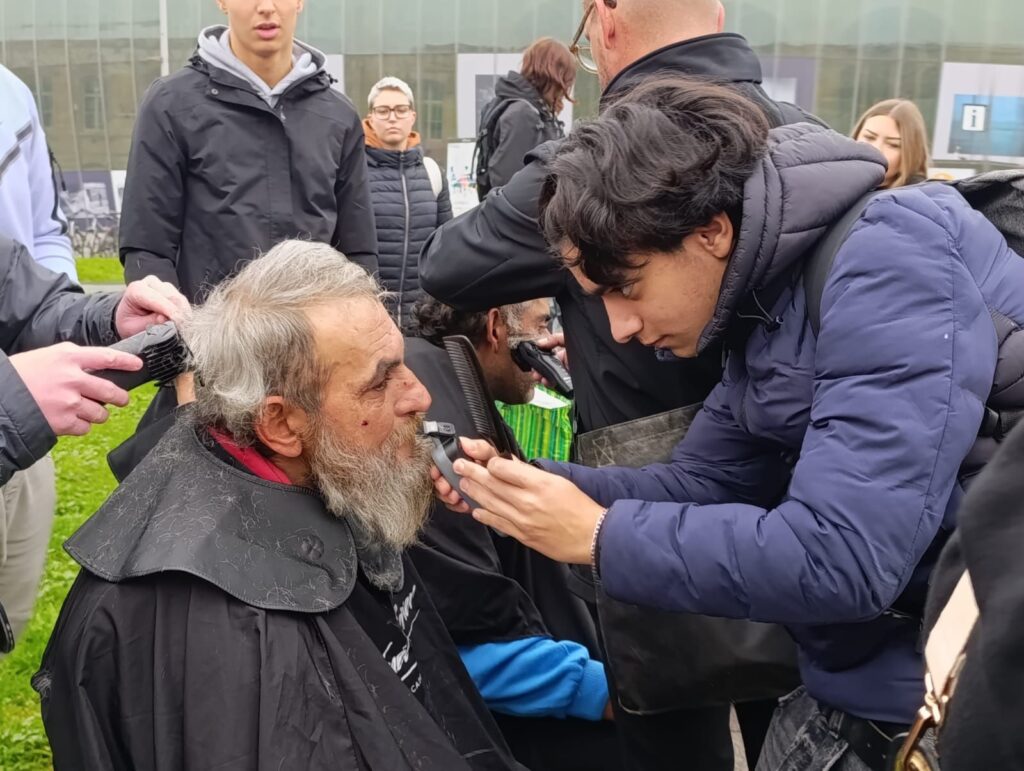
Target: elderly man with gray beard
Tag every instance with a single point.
(244, 600)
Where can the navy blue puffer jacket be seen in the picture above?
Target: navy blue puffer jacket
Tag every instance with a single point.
(407, 212)
(880, 408)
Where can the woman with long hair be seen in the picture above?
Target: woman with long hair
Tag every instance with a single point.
(896, 128)
(525, 108)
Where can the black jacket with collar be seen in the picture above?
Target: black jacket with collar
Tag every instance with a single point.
(216, 176)
(496, 255)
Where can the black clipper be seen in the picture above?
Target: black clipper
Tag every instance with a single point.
(163, 355)
(527, 355)
(446, 451)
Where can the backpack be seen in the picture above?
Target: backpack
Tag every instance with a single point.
(434, 173)
(999, 195)
(487, 142)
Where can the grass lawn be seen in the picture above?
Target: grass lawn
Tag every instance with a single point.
(100, 270)
(83, 482)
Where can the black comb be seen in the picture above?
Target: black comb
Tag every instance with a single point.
(163, 355)
(485, 416)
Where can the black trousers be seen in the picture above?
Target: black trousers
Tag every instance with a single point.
(550, 744)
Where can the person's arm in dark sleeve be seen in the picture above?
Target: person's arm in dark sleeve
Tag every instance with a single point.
(355, 234)
(154, 194)
(495, 254)
(519, 131)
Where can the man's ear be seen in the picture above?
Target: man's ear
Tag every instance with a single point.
(606, 15)
(281, 427)
(717, 236)
(497, 331)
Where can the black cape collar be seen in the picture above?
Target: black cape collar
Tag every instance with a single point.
(725, 56)
(272, 546)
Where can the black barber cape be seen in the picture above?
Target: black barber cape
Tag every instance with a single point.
(221, 621)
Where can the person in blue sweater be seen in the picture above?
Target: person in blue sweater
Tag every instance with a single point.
(528, 643)
(825, 471)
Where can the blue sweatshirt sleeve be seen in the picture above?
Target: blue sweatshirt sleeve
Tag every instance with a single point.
(538, 677)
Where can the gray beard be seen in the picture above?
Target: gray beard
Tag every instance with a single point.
(390, 496)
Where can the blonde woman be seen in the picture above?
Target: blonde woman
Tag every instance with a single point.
(896, 128)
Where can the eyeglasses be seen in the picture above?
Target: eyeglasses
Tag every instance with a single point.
(580, 46)
(400, 111)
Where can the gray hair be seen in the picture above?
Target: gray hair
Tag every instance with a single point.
(253, 339)
(390, 83)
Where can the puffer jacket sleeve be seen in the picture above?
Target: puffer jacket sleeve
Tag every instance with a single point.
(39, 308)
(153, 211)
(718, 461)
(904, 363)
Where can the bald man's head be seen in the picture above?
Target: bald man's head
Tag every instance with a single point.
(672, 20)
(623, 32)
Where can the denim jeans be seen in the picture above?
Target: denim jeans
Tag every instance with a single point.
(802, 737)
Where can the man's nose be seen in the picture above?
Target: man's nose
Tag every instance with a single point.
(414, 399)
(625, 323)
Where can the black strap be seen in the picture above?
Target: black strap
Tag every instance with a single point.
(819, 264)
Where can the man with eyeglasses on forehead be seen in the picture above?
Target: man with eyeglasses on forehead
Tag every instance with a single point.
(496, 255)
(410, 198)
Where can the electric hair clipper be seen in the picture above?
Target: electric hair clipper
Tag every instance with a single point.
(163, 355)
(527, 355)
(446, 451)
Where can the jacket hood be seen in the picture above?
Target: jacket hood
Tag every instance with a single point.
(214, 48)
(724, 56)
(372, 140)
(808, 178)
(515, 86)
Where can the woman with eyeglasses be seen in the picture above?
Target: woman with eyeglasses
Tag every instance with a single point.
(524, 111)
(408, 191)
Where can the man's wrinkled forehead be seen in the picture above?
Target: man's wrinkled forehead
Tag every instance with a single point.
(359, 342)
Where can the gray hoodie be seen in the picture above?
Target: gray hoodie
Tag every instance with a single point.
(215, 48)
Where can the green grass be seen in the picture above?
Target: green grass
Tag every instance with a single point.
(100, 270)
(83, 482)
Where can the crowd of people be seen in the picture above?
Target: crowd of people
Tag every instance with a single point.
(797, 366)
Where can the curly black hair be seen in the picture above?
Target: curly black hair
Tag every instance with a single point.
(658, 163)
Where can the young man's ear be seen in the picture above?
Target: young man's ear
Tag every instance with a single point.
(281, 427)
(717, 236)
(497, 330)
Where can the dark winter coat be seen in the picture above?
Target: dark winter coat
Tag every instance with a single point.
(39, 308)
(526, 122)
(215, 176)
(407, 212)
(496, 255)
(879, 411)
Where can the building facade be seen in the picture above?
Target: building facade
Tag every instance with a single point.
(90, 61)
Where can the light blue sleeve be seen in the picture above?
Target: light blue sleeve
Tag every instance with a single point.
(538, 677)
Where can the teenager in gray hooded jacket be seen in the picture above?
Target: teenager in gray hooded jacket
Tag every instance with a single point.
(244, 147)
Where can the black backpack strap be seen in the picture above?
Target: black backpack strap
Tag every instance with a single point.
(819, 264)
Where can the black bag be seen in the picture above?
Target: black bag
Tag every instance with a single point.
(662, 661)
(486, 142)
